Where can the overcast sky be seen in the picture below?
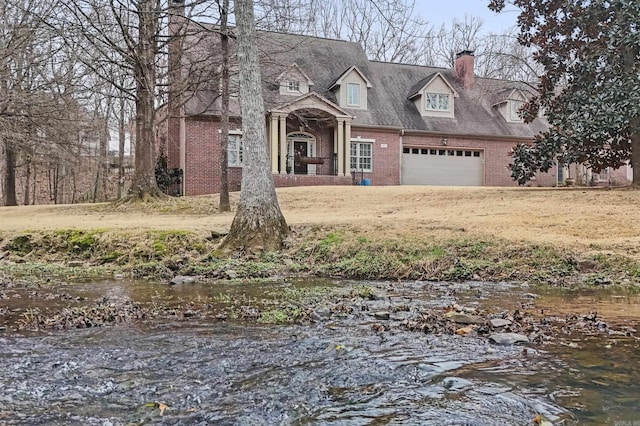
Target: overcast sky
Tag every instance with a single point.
(444, 11)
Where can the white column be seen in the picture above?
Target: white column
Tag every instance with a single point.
(347, 147)
(340, 146)
(273, 139)
(283, 144)
(336, 148)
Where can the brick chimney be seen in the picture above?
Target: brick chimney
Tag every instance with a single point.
(464, 68)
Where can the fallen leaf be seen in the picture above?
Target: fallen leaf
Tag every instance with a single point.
(541, 421)
(162, 408)
(464, 330)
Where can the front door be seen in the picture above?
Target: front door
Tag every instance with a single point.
(300, 150)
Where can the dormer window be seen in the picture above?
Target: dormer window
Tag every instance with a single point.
(434, 96)
(436, 101)
(351, 89)
(294, 86)
(293, 81)
(509, 102)
(353, 94)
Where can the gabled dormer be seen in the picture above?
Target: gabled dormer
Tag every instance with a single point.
(434, 96)
(293, 81)
(351, 89)
(509, 103)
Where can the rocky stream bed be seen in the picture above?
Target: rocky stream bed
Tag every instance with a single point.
(316, 352)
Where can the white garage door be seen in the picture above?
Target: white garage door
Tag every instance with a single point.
(438, 166)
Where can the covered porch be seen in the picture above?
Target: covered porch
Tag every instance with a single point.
(309, 142)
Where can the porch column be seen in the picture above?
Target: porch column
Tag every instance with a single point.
(336, 149)
(341, 145)
(283, 144)
(347, 147)
(273, 139)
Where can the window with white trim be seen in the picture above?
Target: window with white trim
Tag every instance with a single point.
(234, 150)
(362, 156)
(293, 86)
(353, 94)
(436, 101)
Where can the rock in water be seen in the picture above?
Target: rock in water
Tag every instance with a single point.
(382, 315)
(182, 279)
(499, 322)
(508, 338)
(465, 319)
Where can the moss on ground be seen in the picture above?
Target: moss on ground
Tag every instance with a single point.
(318, 251)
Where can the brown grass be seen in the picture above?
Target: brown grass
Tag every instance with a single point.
(603, 220)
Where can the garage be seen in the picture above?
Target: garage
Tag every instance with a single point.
(442, 166)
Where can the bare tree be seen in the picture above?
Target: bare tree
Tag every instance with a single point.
(388, 30)
(125, 34)
(258, 223)
(497, 56)
(38, 108)
(393, 31)
(225, 79)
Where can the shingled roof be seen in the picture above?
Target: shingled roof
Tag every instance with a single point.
(325, 60)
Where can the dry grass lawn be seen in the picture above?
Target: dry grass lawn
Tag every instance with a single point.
(585, 218)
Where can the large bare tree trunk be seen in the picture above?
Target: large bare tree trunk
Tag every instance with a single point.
(121, 141)
(104, 155)
(225, 205)
(258, 223)
(10, 176)
(3, 166)
(27, 181)
(143, 185)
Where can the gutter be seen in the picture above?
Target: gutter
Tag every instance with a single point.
(408, 132)
(466, 135)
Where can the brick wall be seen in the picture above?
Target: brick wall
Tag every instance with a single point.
(201, 157)
(202, 167)
(202, 172)
(386, 156)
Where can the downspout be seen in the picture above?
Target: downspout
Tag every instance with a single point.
(400, 155)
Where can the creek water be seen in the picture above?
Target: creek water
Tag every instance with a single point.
(333, 371)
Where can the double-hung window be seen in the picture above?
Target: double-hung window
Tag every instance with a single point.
(436, 101)
(361, 156)
(293, 86)
(234, 150)
(353, 94)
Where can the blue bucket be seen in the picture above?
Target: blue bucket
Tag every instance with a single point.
(366, 182)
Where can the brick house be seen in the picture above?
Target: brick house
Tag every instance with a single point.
(335, 118)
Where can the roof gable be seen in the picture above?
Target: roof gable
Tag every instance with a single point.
(420, 86)
(355, 69)
(513, 94)
(312, 100)
(294, 70)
